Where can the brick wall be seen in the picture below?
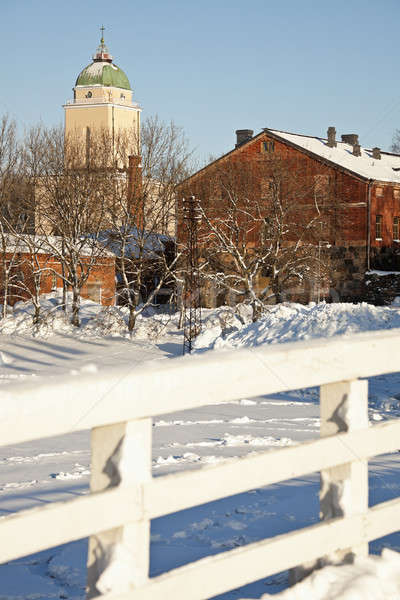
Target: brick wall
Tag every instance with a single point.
(347, 194)
(100, 286)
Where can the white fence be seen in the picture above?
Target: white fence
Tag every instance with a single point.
(118, 405)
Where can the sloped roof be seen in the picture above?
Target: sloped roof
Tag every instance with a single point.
(365, 165)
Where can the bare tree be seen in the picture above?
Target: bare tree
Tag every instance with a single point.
(395, 147)
(12, 210)
(142, 215)
(261, 226)
(70, 209)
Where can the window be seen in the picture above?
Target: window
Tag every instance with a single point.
(268, 146)
(396, 228)
(378, 227)
(396, 193)
(89, 95)
(379, 192)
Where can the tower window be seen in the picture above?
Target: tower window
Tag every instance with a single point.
(87, 146)
(378, 227)
(396, 228)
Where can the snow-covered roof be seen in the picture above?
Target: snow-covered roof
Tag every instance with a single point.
(364, 165)
(51, 244)
(137, 242)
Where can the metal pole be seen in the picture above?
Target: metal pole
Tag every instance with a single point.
(191, 293)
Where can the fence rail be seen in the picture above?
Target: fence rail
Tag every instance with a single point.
(118, 405)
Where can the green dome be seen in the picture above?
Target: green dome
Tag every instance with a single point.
(103, 73)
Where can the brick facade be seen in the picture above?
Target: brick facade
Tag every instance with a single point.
(100, 286)
(355, 202)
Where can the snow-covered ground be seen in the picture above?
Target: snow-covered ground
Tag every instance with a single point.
(57, 468)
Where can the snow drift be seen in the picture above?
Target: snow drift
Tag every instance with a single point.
(289, 322)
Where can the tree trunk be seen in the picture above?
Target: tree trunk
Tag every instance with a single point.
(257, 311)
(132, 318)
(5, 300)
(64, 300)
(36, 314)
(276, 288)
(75, 307)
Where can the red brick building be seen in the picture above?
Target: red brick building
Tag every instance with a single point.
(99, 287)
(362, 189)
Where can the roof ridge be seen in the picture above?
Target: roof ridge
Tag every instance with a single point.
(317, 137)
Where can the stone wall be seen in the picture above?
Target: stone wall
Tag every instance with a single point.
(381, 289)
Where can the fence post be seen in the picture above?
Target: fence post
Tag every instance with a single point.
(118, 559)
(344, 488)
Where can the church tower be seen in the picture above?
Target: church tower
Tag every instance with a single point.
(103, 103)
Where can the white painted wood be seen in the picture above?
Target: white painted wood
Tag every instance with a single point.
(39, 528)
(124, 497)
(61, 522)
(115, 395)
(344, 488)
(121, 456)
(265, 468)
(217, 574)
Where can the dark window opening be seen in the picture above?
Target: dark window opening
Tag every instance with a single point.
(378, 227)
(268, 146)
(396, 228)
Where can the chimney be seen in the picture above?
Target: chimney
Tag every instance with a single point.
(134, 177)
(242, 136)
(332, 137)
(350, 138)
(376, 153)
(357, 150)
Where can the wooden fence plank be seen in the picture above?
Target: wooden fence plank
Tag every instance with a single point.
(217, 574)
(61, 522)
(213, 482)
(39, 528)
(344, 488)
(121, 456)
(27, 412)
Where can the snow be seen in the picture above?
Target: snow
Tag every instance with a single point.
(39, 472)
(288, 322)
(382, 273)
(52, 244)
(371, 578)
(342, 155)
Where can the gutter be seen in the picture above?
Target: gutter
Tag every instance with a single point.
(370, 183)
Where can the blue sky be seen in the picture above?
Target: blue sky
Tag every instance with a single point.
(215, 66)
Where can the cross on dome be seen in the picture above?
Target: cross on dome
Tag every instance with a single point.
(102, 52)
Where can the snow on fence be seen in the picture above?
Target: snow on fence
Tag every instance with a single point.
(118, 405)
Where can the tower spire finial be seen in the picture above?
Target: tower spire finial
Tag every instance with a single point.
(102, 53)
